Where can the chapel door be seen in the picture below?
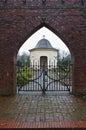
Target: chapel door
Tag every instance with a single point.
(43, 61)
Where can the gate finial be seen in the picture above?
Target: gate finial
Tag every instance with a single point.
(82, 2)
(5, 1)
(43, 2)
(24, 1)
(63, 1)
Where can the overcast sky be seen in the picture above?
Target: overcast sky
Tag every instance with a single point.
(55, 41)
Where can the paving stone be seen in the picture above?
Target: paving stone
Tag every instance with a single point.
(38, 108)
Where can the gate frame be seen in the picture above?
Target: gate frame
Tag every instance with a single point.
(43, 72)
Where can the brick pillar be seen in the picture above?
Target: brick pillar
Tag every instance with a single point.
(79, 74)
(7, 73)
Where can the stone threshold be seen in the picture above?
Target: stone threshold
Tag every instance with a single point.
(42, 125)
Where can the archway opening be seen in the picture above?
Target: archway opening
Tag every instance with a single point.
(29, 54)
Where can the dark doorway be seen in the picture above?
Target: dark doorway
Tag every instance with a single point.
(43, 61)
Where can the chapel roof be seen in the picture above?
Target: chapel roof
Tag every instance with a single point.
(43, 43)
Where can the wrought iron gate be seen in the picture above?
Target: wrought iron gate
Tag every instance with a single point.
(42, 78)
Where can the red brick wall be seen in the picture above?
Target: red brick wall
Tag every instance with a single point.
(19, 21)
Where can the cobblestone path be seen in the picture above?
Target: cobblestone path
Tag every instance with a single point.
(38, 108)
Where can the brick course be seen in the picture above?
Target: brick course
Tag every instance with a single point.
(19, 21)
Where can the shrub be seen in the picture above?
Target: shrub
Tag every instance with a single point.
(23, 76)
(84, 95)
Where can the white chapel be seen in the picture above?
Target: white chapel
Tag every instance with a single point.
(43, 54)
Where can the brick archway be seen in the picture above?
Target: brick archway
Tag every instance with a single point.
(18, 22)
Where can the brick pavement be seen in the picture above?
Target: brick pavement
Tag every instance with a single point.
(36, 110)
